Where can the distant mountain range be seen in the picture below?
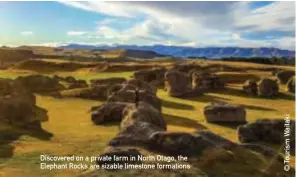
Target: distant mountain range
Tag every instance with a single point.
(205, 52)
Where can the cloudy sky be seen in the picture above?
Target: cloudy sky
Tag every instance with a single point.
(197, 24)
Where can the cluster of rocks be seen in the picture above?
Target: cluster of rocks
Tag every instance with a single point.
(207, 81)
(224, 113)
(153, 76)
(268, 130)
(250, 87)
(142, 126)
(18, 105)
(179, 84)
(98, 90)
(71, 82)
(265, 87)
(284, 76)
(291, 85)
(121, 95)
(40, 83)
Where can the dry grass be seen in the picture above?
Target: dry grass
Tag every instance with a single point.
(74, 133)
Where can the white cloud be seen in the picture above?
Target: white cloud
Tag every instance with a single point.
(201, 24)
(276, 16)
(27, 33)
(76, 33)
(236, 36)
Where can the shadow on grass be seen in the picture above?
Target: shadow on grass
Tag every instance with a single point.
(7, 136)
(286, 96)
(208, 99)
(175, 105)
(229, 125)
(240, 93)
(259, 108)
(182, 121)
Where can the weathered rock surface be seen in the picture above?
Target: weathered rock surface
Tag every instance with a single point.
(291, 85)
(207, 81)
(108, 81)
(224, 113)
(18, 106)
(93, 93)
(152, 76)
(40, 83)
(268, 88)
(127, 93)
(284, 76)
(108, 112)
(250, 87)
(267, 130)
(138, 124)
(178, 84)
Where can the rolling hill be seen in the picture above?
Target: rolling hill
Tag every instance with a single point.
(184, 52)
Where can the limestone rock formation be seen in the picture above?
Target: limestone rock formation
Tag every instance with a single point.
(267, 130)
(40, 83)
(152, 76)
(284, 76)
(207, 81)
(268, 88)
(18, 106)
(127, 93)
(224, 113)
(108, 81)
(291, 85)
(108, 112)
(178, 84)
(138, 124)
(250, 87)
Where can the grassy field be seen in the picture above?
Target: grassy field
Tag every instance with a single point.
(70, 131)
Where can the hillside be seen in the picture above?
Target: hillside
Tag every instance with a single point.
(207, 52)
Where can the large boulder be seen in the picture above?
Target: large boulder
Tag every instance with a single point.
(188, 144)
(268, 88)
(178, 84)
(93, 93)
(207, 81)
(250, 87)
(18, 106)
(179, 143)
(291, 85)
(127, 93)
(78, 84)
(138, 124)
(284, 76)
(224, 113)
(153, 76)
(142, 85)
(108, 112)
(108, 81)
(268, 130)
(40, 83)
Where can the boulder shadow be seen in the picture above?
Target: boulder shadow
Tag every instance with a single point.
(234, 92)
(176, 105)
(209, 98)
(10, 135)
(233, 125)
(286, 96)
(182, 121)
(259, 108)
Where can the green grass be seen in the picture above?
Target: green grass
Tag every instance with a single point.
(74, 133)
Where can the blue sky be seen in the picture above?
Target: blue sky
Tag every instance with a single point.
(197, 24)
